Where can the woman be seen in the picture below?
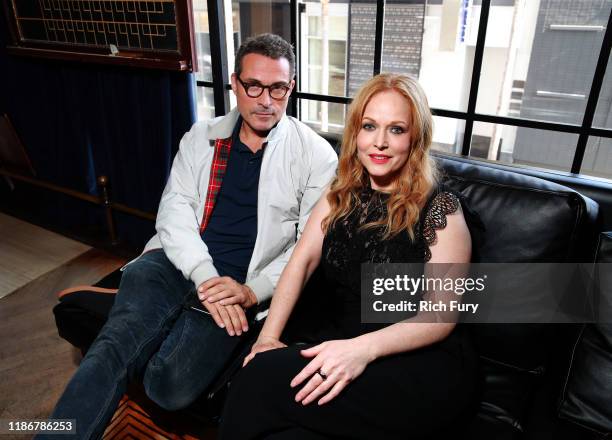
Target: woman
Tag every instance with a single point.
(405, 380)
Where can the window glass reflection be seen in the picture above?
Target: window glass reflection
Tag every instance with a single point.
(523, 146)
(597, 161)
(603, 114)
(540, 57)
(205, 103)
(434, 41)
(326, 117)
(202, 40)
(447, 135)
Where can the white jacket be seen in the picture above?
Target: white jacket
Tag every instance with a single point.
(297, 166)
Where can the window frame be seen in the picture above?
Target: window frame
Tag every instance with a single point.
(585, 130)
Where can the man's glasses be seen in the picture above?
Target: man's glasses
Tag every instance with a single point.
(254, 90)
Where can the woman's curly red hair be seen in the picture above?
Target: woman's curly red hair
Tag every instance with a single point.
(413, 183)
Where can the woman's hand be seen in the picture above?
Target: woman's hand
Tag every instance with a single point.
(263, 343)
(335, 365)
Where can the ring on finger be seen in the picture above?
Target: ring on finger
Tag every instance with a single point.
(323, 375)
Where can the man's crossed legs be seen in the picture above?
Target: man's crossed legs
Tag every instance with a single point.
(151, 335)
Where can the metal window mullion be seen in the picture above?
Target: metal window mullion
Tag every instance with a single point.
(323, 98)
(218, 53)
(600, 132)
(589, 113)
(527, 123)
(478, 55)
(293, 101)
(378, 40)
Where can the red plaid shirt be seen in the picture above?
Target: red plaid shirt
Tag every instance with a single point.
(217, 171)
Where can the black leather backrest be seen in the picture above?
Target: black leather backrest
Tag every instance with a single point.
(527, 219)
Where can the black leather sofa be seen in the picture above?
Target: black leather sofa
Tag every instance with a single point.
(525, 366)
(538, 381)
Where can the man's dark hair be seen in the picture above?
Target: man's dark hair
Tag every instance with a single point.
(269, 45)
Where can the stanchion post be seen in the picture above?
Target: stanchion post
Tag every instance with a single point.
(108, 208)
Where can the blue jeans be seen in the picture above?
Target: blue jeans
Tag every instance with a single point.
(151, 336)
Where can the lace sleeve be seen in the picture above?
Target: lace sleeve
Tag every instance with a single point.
(444, 203)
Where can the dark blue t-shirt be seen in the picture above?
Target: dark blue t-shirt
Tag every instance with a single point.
(231, 232)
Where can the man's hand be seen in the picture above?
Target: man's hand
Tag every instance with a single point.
(226, 291)
(231, 317)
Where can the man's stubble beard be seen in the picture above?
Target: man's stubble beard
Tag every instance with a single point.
(260, 133)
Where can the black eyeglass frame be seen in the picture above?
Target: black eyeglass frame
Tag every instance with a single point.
(284, 86)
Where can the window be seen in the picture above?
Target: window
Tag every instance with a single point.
(603, 114)
(515, 91)
(323, 42)
(551, 47)
(428, 40)
(204, 95)
(598, 158)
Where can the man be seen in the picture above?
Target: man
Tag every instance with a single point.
(240, 190)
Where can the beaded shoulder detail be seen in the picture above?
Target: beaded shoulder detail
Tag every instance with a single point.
(444, 203)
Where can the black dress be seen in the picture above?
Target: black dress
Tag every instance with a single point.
(411, 395)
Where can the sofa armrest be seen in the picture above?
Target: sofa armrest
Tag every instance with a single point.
(586, 397)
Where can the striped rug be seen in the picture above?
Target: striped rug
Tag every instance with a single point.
(132, 421)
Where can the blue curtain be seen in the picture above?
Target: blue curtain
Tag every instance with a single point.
(80, 121)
